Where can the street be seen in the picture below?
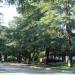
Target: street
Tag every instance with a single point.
(6, 69)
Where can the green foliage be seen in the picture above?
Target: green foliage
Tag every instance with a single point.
(40, 25)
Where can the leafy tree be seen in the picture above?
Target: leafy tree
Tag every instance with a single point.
(41, 26)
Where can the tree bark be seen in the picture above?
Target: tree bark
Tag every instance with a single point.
(19, 58)
(69, 31)
(63, 58)
(5, 57)
(0, 57)
(47, 56)
(30, 59)
(70, 61)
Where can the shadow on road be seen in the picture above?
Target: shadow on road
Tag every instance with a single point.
(5, 68)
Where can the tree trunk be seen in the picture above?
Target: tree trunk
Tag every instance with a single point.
(5, 57)
(63, 58)
(69, 31)
(70, 61)
(0, 57)
(19, 58)
(30, 59)
(47, 56)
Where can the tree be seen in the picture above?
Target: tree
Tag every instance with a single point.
(40, 22)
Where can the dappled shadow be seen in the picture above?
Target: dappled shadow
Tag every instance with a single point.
(5, 68)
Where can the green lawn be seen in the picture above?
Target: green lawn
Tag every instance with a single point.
(61, 67)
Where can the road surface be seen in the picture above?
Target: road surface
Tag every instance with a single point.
(6, 69)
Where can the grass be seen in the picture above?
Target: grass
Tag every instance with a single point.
(58, 67)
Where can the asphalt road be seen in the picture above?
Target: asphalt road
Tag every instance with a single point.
(6, 69)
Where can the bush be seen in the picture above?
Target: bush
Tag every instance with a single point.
(11, 59)
(42, 54)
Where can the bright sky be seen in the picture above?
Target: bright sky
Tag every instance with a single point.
(9, 12)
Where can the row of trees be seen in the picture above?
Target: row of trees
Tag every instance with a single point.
(42, 25)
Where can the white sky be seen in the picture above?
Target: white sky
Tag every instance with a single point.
(9, 12)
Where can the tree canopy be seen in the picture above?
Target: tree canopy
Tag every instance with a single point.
(42, 25)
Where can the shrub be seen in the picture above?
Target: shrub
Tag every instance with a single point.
(11, 59)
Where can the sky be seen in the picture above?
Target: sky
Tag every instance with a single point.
(9, 12)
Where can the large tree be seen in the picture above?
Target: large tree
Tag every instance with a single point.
(42, 20)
